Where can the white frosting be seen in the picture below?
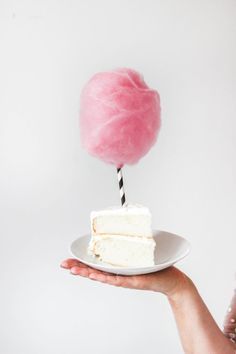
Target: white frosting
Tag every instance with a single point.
(131, 220)
(117, 210)
(124, 238)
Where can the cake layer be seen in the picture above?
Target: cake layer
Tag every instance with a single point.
(131, 220)
(123, 251)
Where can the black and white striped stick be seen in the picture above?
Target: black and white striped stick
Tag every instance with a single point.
(121, 186)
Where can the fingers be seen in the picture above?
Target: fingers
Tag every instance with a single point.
(85, 271)
(115, 280)
(80, 269)
(139, 282)
(71, 262)
(94, 274)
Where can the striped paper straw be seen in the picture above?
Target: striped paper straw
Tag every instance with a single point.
(121, 186)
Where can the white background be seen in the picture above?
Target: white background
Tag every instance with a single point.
(48, 184)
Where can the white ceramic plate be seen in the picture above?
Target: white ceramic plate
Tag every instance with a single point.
(169, 250)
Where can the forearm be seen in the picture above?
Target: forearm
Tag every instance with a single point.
(198, 330)
(230, 321)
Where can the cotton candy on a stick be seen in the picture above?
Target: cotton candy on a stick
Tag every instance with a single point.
(119, 116)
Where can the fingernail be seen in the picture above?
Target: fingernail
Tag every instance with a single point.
(64, 264)
(92, 276)
(73, 270)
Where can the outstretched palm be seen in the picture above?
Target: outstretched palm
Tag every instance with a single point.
(165, 281)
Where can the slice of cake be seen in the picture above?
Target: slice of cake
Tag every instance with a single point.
(122, 236)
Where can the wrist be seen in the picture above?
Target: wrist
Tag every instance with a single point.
(170, 282)
(184, 286)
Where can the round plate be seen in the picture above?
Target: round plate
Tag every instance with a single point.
(169, 250)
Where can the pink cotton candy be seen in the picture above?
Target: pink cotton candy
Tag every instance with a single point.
(119, 116)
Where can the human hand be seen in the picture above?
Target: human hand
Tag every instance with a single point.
(168, 281)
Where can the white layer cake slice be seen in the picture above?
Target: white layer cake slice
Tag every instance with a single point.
(122, 236)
